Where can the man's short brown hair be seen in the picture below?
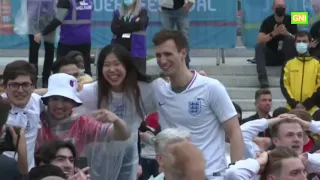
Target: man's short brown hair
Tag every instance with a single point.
(165, 35)
(302, 114)
(19, 68)
(261, 92)
(275, 158)
(275, 128)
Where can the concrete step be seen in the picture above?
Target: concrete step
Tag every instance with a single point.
(245, 81)
(248, 104)
(248, 93)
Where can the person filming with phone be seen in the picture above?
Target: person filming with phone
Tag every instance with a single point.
(64, 155)
(11, 139)
(275, 41)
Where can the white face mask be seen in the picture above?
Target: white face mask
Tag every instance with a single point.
(81, 71)
(302, 48)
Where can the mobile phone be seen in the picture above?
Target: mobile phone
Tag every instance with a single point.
(82, 162)
(6, 142)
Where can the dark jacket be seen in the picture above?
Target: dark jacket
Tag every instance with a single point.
(131, 33)
(255, 117)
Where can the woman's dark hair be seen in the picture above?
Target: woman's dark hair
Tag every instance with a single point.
(130, 84)
(47, 152)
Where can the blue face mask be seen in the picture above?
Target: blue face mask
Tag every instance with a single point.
(302, 48)
(128, 2)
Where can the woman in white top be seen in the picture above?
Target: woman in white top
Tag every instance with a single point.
(122, 89)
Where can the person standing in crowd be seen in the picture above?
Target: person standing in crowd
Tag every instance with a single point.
(10, 169)
(204, 107)
(148, 129)
(315, 35)
(79, 57)
(127, 92)
(263, 103)
(19, 78)
(40, 13)
(74, 19)
(168, 137)
(129, 25)
(70, 66)
(280, 163)
(275, 41)
(57, 122)
(300, 79)
(62, 154)
(175, 13)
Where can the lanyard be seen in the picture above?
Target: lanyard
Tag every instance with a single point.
(127, 18)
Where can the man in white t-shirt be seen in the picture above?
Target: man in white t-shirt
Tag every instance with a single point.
(197, 103)
(19, 78)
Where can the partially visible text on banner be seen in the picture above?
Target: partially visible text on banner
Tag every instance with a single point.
(151, 5)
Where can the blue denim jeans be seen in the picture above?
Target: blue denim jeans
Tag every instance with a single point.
(176, 18)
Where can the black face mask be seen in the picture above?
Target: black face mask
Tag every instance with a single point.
(280, 11)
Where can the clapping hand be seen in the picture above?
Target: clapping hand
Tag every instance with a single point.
(105, 116)
(314, 43)
(283, 30)
(276, 30)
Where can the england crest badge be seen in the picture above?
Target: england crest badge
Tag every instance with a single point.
(194, 107)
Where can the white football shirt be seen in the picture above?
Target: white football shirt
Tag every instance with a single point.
(28, 118)
(201, 109)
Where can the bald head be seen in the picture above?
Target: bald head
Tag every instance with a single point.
(279, 8)
(279, 3)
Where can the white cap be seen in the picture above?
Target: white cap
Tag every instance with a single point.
(64, 85)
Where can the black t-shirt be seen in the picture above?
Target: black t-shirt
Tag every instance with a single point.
(9, 169)
(177, 4)
(267, 27)
(64, 4)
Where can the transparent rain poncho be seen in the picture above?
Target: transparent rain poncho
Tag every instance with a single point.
(33, 16)
(83, 132)
(113, 160)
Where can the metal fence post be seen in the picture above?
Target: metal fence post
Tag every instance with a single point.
(218, 58)
(222, 56)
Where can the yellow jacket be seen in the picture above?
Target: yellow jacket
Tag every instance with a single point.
(300, 82)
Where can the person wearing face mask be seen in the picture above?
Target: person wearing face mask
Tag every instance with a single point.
(78, 57)
(300, 79)
(129, 26)
(275, 41)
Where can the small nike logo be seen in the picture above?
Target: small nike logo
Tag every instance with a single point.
(161, 104)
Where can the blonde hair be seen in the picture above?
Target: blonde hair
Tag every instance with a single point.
(136, 10)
